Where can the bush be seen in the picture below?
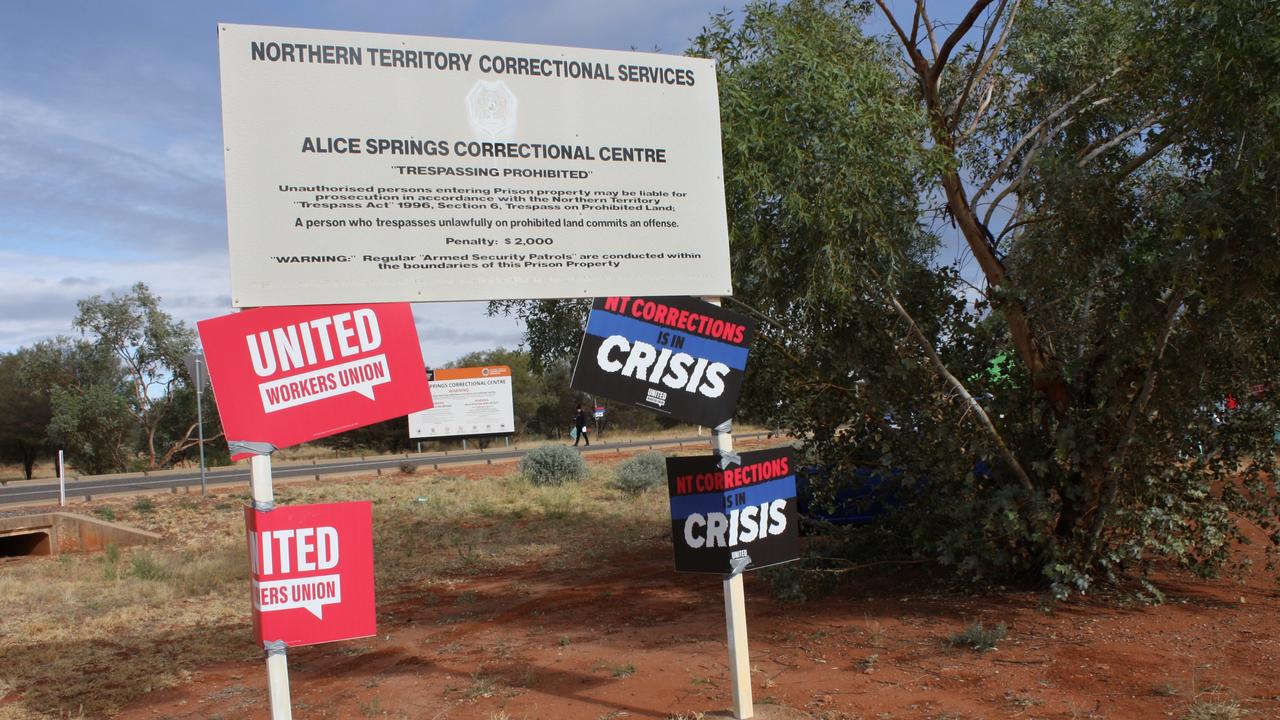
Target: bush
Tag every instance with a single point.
(408, 468)
(642, 472)
(979, 638)
(553, 465)
(146, 567)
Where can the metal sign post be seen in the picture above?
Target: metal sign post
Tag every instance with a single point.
(200, 416)
(62, 481)
(277, 657)
(195, 363)
(735, 601)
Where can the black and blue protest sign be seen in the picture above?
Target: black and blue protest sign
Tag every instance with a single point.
(678, 356)
(745, 511)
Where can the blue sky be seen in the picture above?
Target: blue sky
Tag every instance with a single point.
(110, 142)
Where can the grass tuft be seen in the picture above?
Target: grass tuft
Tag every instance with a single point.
(1215, 711)
(978, 637)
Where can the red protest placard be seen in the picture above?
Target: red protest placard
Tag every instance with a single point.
(286, 375)
(312, 572)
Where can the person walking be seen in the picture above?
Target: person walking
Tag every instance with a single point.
(580, 422)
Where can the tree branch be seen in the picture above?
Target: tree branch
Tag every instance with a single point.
(918, 61)
(915, 25)
(1089, 153)
(1035, 131)
(1027, 162)
(1137, 407)
(928, 26)
(981, 67)
(941, 56)
(941, 369)
(977, 114)
(1156, 148)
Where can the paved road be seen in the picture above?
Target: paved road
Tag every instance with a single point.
(24, 492)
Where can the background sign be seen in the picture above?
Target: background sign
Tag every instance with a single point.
(312, 572)
(373, 168)
(747, 510)
(292, 374)
(678, 356)
(467, 401)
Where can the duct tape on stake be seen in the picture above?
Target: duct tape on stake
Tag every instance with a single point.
(738, 564)
(724, 451)
(278, 680)
(250, 446)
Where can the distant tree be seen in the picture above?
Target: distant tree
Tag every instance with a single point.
(553, 328)
(24, 414)
(179, 420)
(85, 388)
(149, 347)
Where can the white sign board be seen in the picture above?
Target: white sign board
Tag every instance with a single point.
(376, 168)
(468, 401)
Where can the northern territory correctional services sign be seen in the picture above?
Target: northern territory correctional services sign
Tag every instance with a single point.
(312, 572)
(372, 168)
(467, 401)
(287, 375)
(678, 356)
(746, 511)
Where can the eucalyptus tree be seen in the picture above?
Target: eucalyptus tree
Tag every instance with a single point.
(1113, 169)
(147, 346)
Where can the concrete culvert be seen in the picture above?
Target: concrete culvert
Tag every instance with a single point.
(59, 532)
(21, 544)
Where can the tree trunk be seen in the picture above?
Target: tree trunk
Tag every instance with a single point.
(28, 458)
(1040, 366)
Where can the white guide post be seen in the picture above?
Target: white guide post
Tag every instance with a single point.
(735, 605)
(277, 659)
(62, 480)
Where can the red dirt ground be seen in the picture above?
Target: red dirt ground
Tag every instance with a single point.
(634, 639)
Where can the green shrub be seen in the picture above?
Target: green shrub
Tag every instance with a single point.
(642, 472)
(146, 567)
(800, 581)
(553, 465)
(408, 468)
(979, 638)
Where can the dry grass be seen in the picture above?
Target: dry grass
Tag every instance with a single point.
(82, 635)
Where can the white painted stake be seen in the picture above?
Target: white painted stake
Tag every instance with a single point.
(260, 477)
(735, 620)
(62, 480)
(277, 659)
(278, 684)
(735, 609)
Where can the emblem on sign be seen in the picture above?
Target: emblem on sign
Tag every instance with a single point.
(492, 108)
